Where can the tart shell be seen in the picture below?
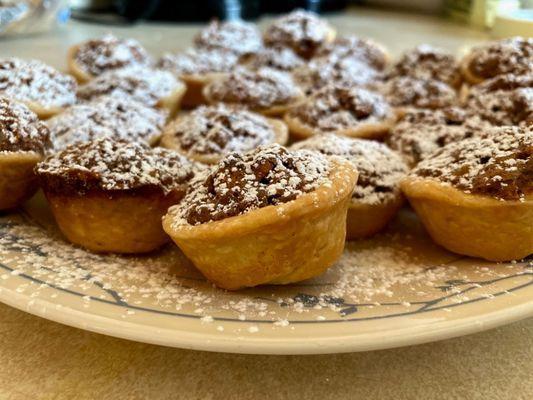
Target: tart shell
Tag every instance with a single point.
(279, 244)
(17, 179)
(172, 102)
(78, 72)
(194, 96)
(468, 76)
(472, 225)
(364, 220)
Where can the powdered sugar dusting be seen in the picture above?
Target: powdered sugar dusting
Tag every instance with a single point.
(236, 36)
(198, 61)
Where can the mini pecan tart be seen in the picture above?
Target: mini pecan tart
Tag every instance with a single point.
(23, 143)
(507, 56)
(211, 132)
(348, 111)
(475, 197)
(270, 216)
(109, 195)
(280, 58)
(302, 31)
(405, 92)
(267, 91)
(107, 116)
(42, 88)
(197, 68)
(152, 87)
(428, 62)
(503, 100)
(377, 196)
(235, 36)
(420, 132)
(96, 56)
(363, 50)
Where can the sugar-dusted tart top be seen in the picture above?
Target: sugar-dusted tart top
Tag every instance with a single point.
(428, 62)
(363, 50)
(239, 183)
(498, 164)
(107, 116)
(237, 36)
(20, 129)
(380, 169)
(115, 166)
(143, 84)
(33, 81)
(263, 88)
(97, 56)
(422, 132)
(513, 55)
(405, 91)
(303, 31)
(504, 99)
(220, 129)
(198, 61)
(281, 58)
(339, 107)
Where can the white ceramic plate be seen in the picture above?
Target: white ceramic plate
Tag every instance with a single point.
(394, 290)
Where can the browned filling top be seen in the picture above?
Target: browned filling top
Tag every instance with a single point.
(513, 55)
(338, 107)
(380, 169)
(269, 175)
(504, 99)
(236, 36)
(20, 129)
(427, 62)
(421, 133)
(303, 31)
(263, 88)
(145, 85)
(362, 50)
(497, 164)
(281, 58)
(114, 166)
(35, 82)
(405, 91)
(107, 53)
(220, 129)
(199, 61)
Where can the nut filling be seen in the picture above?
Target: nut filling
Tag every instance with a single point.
(380, 169)
(115, 166)
(498, 164)
(237, 36)
(340, 107)
(20, 129)
(411, 92)
(220, 130)
(198, 62)
(263, 88)
(269, 175)
(283, 59)
(100, 55)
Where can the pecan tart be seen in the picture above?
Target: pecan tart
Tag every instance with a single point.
(210, 132)
(107, 116)
(96, 56)
(507, 56)
(109, 195)
(43, 89)
(197, 68)
(267, 91)
(503, 100)
(302, 31)
(152, 87)
(235, 36)
(23, 143)
(377, 196)
(344, 110)
(475, 197)
(280, 58)
(270, 216)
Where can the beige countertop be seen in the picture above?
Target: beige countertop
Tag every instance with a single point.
(44, 360)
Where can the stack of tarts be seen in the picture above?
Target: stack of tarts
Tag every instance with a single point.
(124, 172)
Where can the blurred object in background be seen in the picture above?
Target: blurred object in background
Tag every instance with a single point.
(31, 16)
(480, 13)
(426, 6)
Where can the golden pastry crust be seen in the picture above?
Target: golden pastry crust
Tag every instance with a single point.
(278, 244)
(73, 67)
(364, 220)
(194, 95)
(472, 225)
(17, 180)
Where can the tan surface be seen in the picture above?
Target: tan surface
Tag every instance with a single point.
(45, 360)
